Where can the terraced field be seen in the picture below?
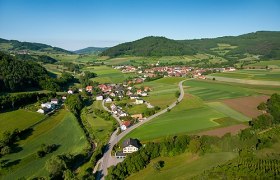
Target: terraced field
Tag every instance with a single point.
(61, 129)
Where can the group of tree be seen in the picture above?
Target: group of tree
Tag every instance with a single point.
(85, 78)
(21, 75)
(74, 103)
(13, 101)
(46, 149)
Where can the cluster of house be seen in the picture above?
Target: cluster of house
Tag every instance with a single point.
(128, 146)
(48, 106)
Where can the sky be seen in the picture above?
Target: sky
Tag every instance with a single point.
(76, 24)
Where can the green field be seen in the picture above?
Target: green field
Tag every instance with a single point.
(18, 119)
(190, 115)
(260, 74)
(210, 90)
(107, 74)
(100, 127)
(274, 64)
(62, 129)
(183, 166)
(163, 91)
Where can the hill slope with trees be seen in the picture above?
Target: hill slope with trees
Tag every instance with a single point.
(263, 43)
(91, 50)
(14, 45)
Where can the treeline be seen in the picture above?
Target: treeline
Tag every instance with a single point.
(36, 58)
(18, 75)
(13, 101)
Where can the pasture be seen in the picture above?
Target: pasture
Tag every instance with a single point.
(62, 129)
(107, 74)
(184, 166)
(18, 119)
(274, 64)
(191, 115)
(260, 74)
(163, 91)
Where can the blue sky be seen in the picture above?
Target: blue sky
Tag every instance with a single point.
(74, 24)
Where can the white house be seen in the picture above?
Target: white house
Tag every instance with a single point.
(47, 105)
(139, 101)
(55, 101)
(41, 111)
(134, 97)
(144, 94)
(108, 100)
(70, 91)
(99, 98)
(112, 94)
(130, 145)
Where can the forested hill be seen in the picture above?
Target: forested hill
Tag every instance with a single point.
(150, 46)
(91, 50)
(263, 43)
(17, 46)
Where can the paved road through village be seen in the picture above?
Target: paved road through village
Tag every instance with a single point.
(106, 161)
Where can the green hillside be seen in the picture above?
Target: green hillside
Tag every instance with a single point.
(14, 45)
(264, 44)
(91, 50)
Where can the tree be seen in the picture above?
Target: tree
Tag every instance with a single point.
(55, 166)
(74, 103)
(273, 106)
(262, 106)
(177, 94)
(5, 150)
(69, 175)
(195, 145)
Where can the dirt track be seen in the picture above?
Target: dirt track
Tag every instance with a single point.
(246, 105)
(222, 131)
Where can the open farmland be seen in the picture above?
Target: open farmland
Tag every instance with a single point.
(184, 166)
(25, 162)
(163, 91)
(18, 119)
(274, 64)
(107, 74)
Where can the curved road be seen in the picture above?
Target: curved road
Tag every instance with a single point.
(103, 164)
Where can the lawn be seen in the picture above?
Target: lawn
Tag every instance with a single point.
(18, 119)
(62, 129)
(210, 90)
(184, 166)
(107, 74)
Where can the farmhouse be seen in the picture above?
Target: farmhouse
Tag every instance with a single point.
(89, 89)
(134, 97)
(108, 100)
(44, 110)
(125, 125)
(70, 91)
(47, 105)
(139, 101)
(130, 145)
(54, 101)
(99, 98)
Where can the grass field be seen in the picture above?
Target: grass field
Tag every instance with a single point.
(260, 74)
(190, 115)
(18, 119)
(183, 166)
(209, 90)
(62, 129)
(107, 74)
(263, 64)
(101, 128)
(163, 91)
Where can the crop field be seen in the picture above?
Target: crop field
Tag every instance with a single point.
(261, 74)
(183, 166)
(274, 64)
(209, 90)
(190, 115)
(246, 105)
(18, 119)
(107, 74)
(62, 129)
(163, 91)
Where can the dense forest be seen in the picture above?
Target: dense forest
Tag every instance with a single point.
(263, 43)
(20, 75)
(14, 45)
(91, 50)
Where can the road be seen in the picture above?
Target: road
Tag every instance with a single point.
(106, 160)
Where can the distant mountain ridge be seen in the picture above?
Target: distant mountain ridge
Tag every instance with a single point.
(263, 43)
(14, 45)
(91, 50)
